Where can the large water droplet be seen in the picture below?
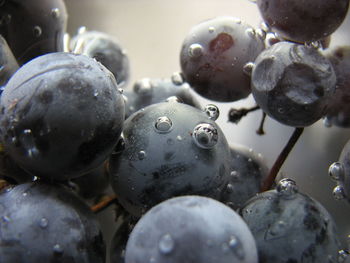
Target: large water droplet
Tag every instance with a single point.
(43, 223)
(287, 188)
(235, 245)
(195, 50)
(143, 87)
(57, 249)
(205, 135)
(211, 29)
(37, 31)
(212, 111)
(338, 192)
(177, 78)
(166, 244)
(163, 124)
(336, 171)
(141, 155)
(248, 68)
(55, 12)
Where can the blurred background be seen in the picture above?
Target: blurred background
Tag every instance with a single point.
(152, 31)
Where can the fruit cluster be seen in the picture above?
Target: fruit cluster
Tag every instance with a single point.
(72, 142)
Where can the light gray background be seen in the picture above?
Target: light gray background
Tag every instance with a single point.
(152, 32)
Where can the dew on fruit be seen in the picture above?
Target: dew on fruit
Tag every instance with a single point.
(28, 143)
(57, 249)
(287, 188)
(338, 192)
(55, 12)
(229, 188)
(327, 122)
(251, 32)
(195, 50)
(212, 111)
(166, 244)
(336, 171)
(211, 29)
(43, 223)
(235, 246)
(205, 135)
(179, 138)
(177, 78)
(5, 219)
(141, 155)
(37, 31)
(163, 124)
(248, 68)
(173, 99)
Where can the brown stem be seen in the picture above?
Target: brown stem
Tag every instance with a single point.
(235, 115)
(260, 130)
(268, 182)
(106, 201)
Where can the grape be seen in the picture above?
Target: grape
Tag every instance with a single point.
(105, 49)
(338, 112)
(289, 226)
(214, 56)
(303, 21)
(191, 229)
(33, 27)
(61, 115)
(340, 172)
(293, 83)
(46, 223)
(8, 64)
(171, 149)
(248, 170)
(150, 91)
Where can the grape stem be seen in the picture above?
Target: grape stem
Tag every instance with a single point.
(260, 130)
(268, 182)
(106, 202)
(235, 115)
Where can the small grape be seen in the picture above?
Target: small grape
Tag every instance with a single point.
(171, 149)
(191, 229)
(213, 57)
(303, 21)
(293, 83)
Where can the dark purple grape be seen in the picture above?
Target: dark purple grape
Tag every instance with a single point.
(338, 112)
(289, 226)
(105, 49)
(43, 223)
(293, 83)
(303, 21)
(8, 63)
(150, 91)
(61, 115)
(33, 27)
(215, 58)
(191, 229)
(248, 170)
(340, 172)
(171, 149)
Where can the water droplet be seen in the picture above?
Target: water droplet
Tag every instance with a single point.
(166, 244)
(212, 111)
(251, 32)
(43, 223)
(248, 68)
(195, 50)
(281, 110)
(342, 255)
(327, 122)
(96, 94)
(173, 99)
(55, 12)
(211, 29)
(179, 138)
(37, 31)
(336, 171)
(57, 249)
(163, 124)
(141, 155)
(177, 78)
(82, 30)
(261, 33)
(235, 245)
(338, 192)
(24, 194)
(120, 147)
(121, 91)
(5, 219)
(287, 188)
(28, 143)
(234, 175)
(143, 87)
(205, 135)
(229, 188)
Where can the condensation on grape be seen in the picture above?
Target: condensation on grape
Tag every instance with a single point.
(163, 124)
(229, 188)
(260, 33)
(141, 155)
(43, 223)
(37, 31)
(166, 244)
(28, 143)
(143, 87)
(174, 99)
(251, 32)
(55, 12)
(205, 135)
(338, 192)
(336, 171)
(195, 50)
(5, 219)
(287, 188)
(248, 68)
(327, 122)
(211, 29)
(212, 111)
(177, 78)
(57, 249)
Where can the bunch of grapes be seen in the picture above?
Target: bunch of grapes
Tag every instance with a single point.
(76, 140)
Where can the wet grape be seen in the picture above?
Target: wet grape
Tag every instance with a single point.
(214, 54)
(293, 83)
(191, 229)
(33, 27)
(61, 115)
(171, 149)
(303, 21)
